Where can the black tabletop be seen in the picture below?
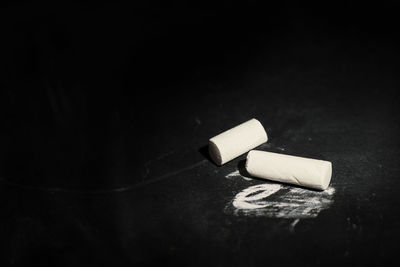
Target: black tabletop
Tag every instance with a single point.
(106, 112)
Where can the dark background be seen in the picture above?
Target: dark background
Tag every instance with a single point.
(105, 112)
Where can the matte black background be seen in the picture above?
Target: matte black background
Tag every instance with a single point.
(106, 111)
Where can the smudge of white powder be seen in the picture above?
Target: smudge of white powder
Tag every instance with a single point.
(293, 225)
(236, 174)
(251, 198)
(281, 201)
(233, 174)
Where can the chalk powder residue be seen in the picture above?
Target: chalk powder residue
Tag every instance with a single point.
(236, 174)
(281, 201)
(277, 200)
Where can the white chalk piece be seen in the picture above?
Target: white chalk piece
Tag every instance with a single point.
(305, 172)
(236, 141)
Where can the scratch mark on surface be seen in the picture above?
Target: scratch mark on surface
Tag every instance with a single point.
(107, 191)
(297, 180)
(148, 163)
(160, 178)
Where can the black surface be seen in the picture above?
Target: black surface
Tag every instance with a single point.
(106, 111)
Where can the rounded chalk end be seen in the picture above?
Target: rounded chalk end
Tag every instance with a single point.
(214, 152)
(247, 166)
(264, 133)
(327, 175)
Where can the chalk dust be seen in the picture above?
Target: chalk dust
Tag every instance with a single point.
(276, 200)
(237, 174)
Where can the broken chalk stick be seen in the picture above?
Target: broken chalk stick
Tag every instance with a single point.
(305, 172)
(236, 141)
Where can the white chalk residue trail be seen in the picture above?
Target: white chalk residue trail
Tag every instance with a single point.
(290, 202)
(293, 225)
(251, 198)
(232, 174)
(236, 174)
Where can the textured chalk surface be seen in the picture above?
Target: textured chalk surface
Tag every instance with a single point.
(237, 141)
(301, 171)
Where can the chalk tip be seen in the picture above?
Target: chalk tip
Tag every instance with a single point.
(214, 152)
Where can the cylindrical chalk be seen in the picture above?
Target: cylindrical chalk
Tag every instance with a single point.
(305, 172)
(236, 141)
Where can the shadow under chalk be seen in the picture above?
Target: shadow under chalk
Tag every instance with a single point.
(241, 166)
(204, 152)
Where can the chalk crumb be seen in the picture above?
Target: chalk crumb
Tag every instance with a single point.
(149, 162)
(330, 191)
(293, 225)
(233, 174)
